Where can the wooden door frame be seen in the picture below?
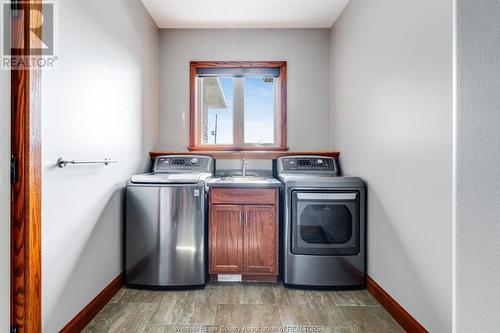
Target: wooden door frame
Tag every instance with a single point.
(25, 213)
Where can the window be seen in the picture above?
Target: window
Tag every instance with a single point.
(238, 106)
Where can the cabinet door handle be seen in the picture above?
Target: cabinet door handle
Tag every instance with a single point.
(241, 219)
(246, 220)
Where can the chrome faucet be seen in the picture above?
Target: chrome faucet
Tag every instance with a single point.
(244, 167)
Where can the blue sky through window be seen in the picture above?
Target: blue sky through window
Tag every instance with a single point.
(259, 110)
(259, 105)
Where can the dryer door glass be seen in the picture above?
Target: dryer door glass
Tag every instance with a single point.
(325, 223)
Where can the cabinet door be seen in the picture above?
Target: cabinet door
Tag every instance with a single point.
(260, 240)
(226, 239)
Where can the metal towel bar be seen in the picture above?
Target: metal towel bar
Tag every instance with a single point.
(61, 162)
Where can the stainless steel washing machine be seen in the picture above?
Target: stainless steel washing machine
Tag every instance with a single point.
(166, 223)
(322, 224)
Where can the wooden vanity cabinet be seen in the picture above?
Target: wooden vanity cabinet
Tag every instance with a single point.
(226, 239)
(243, 233)
(260, 240)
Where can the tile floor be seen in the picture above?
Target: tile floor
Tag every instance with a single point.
(250, 308)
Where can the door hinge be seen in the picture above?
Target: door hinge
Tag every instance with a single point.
(13, 329)
(13, 169)
(15, 7)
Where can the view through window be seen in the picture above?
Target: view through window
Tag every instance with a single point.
(240, 108)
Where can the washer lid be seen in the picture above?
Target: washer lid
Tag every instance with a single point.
(166, 178)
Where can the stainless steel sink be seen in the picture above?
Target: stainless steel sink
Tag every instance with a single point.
(244, 181)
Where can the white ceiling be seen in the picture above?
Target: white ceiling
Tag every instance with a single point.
(245, 13)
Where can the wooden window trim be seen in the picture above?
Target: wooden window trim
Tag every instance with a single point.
(195, 125)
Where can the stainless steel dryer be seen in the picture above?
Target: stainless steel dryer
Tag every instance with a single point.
(323, 224)
(165, 227)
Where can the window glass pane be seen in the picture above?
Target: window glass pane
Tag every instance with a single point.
(217, 110)
(259, 110)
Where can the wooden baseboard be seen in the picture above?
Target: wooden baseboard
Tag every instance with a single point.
(404, 319)
(78, 323)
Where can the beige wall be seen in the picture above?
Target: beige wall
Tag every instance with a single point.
(4, 200)
(392, 122)
(101, 101)
(307, 53)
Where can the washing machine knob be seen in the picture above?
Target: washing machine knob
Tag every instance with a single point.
(194, 161)
(319, 162)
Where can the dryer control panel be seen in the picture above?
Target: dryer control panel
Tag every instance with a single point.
(306, 164)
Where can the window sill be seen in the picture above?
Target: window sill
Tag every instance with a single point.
(264, 155)
(237, 149)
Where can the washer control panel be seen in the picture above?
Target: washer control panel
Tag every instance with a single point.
(185, 163)
(307, 164)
